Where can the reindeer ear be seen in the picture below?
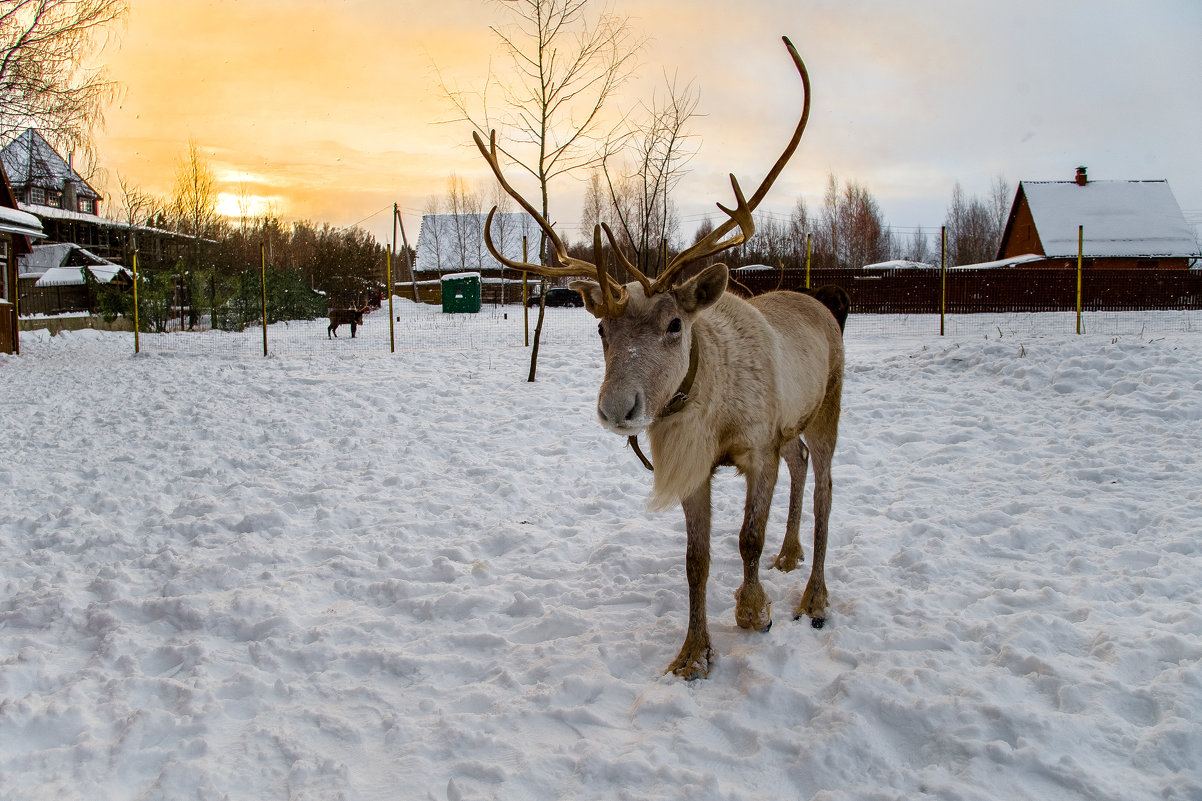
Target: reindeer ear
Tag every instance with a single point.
(591, 292)
(703, 289)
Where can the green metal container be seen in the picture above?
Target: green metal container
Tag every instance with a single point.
(461, 293)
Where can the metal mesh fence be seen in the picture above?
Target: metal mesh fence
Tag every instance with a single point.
(419, 326)
(416, 326)
(889, 304)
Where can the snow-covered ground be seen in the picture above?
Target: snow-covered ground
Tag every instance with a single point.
(363, 575)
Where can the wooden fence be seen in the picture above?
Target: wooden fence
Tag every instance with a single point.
(924, 291)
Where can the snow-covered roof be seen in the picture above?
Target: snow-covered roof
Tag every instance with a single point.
(29, 159)
(64, 214)
(1010, 262)
(901, 264)
(1121, 218)
(50, 263)
(43, 257)
(15, 221)
(73, 276)
(455, 242)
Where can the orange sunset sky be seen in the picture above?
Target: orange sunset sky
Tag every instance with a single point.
(330, 110)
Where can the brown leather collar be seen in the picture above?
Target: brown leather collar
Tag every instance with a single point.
(675, 404)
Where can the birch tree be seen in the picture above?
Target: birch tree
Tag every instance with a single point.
(566, 62)
(44, 83)
(652, 153)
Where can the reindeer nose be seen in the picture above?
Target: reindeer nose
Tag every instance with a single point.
(621, 411)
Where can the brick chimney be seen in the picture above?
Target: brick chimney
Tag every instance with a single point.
(1082, 180)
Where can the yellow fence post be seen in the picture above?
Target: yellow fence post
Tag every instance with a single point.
(391, 327)
(1080, 254)
(942, 277)
(525, 296)
(263, 279)
(137, 325)
(808, 238)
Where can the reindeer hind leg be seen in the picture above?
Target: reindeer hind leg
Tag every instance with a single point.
(814, 600)
(797, 458)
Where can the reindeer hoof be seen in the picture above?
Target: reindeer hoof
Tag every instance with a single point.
(787, 564)
(753, 610)
(817, 622)
(694, 666)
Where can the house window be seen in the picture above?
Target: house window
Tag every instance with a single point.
(37, 196)
(54, 199)
(87, 205)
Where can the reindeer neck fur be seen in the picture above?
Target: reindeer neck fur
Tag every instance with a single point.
(731, 402)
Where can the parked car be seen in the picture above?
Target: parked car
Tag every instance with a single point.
(559, 296)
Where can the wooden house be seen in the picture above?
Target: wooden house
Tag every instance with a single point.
(454, 243)
(1126, 225)
(17, 229)
(47, 185)
(51, 279)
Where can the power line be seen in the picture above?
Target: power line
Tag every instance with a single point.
(365, 219)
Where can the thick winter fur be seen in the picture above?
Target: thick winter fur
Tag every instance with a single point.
(342, 317)
(768, 386)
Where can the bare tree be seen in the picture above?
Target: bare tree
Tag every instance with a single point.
(503, 228)
(465, 210)
(432, 234)
(801, 227)
(1000, 198)
(651, 152)
(194, 198)
(851, 231)
(44, 45)
(140, 207)
(566, 64)
(194, 210)
(919, 249)
(596, 203)
(971, 229)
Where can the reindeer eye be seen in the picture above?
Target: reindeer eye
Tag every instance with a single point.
(601, 329)
(674, 326)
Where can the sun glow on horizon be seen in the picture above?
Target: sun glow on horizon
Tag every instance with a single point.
(234, 206)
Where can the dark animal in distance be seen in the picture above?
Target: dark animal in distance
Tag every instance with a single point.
(834, 298)
(338, 317)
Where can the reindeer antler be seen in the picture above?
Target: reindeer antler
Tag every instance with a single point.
(614, 295)
(740, 216)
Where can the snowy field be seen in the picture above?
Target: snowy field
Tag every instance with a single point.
(363, 575)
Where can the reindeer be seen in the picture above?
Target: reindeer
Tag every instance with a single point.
(342, 317)
(715, 380)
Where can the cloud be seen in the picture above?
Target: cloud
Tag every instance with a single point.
(334, 107)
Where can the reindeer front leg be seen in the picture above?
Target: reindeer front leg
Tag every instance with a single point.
(753, 610)
(693, 662)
